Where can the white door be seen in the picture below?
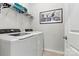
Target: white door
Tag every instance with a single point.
(72, 42)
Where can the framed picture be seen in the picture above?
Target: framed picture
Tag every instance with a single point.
(51, 16)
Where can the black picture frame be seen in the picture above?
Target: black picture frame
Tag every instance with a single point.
(47, 19)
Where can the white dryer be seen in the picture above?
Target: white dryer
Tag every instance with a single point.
(28, 44)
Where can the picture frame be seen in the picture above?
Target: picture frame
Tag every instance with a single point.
(51, 16)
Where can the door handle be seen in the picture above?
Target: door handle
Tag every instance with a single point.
(65, 37)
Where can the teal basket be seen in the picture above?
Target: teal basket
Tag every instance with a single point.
(19, 8)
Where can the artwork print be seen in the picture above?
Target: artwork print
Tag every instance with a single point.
(51, 16)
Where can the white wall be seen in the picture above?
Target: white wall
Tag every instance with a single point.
(53, 33)
(12, 19)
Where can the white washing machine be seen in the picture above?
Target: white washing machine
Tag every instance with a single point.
(29, 44)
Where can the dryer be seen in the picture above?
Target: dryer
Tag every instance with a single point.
(30, 44)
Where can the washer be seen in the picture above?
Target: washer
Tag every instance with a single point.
(21, 44)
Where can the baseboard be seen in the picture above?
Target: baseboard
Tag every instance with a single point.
(54, 52)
